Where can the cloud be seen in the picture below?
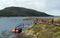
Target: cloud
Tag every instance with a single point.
(33, 4)
(48, 6)
(54, 12)
(53, 7)
(53, 4)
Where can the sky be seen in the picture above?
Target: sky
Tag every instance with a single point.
(51, 7)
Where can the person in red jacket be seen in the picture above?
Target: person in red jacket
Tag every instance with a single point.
(43, 20)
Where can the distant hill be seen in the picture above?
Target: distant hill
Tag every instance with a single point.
(20, 11)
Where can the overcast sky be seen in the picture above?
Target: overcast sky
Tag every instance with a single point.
(48, 6)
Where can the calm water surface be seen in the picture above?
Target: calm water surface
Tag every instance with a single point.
(7, 23)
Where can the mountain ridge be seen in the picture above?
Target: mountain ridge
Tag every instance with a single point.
(21, 11)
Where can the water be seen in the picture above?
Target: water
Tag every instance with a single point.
(7, 23)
